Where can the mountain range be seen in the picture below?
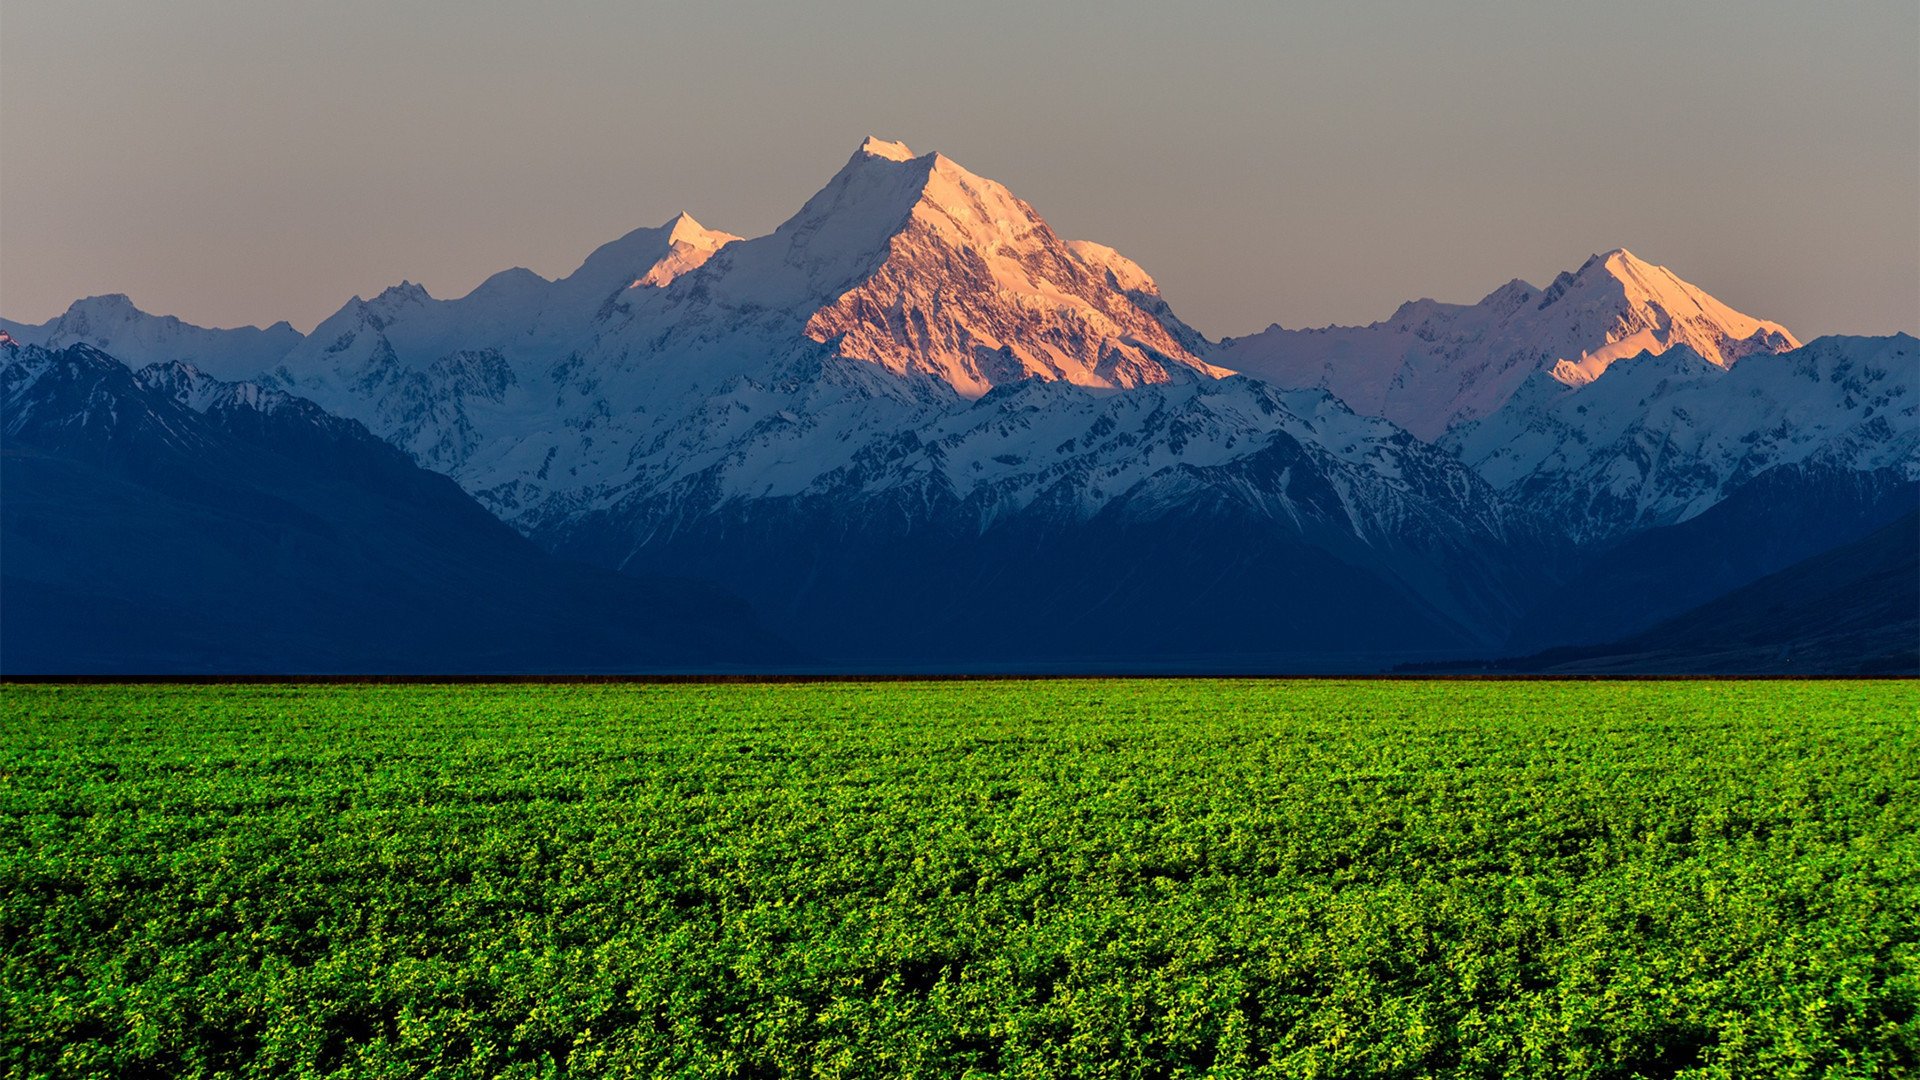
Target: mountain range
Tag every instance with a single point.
(913, 428)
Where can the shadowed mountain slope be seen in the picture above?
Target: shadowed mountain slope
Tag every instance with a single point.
(1854, 610)
(166, 522)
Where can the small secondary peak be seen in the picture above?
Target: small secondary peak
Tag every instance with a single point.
(683, 229)
(406, 290)
(881, 148)
(105, 302)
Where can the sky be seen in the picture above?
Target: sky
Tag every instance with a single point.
(1305, 163)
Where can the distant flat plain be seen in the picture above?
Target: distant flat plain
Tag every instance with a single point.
(1019, 878)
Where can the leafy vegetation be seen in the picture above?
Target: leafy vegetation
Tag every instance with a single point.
(1037, 879)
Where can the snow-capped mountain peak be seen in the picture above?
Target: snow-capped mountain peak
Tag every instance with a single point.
(1651, 310)
(407, 292)
(113, 324)
(689, 245)
(919, 265)
(106, 309)
(885, 150)
(650, 257)
(1433, 365)
(683, 229)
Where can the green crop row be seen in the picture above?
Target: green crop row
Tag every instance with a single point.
(1035, 879)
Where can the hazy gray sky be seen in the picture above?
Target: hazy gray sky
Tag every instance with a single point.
(235, 162)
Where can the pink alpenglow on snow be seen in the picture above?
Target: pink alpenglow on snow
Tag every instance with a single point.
(1434, 365)
(689, 245)
(972, 287)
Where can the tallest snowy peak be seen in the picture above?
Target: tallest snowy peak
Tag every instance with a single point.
(920, 267)
(966, 282)
(888, 151)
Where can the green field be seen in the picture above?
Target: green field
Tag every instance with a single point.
(1040, 879)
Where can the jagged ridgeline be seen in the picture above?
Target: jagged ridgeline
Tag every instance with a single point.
(914, 427)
